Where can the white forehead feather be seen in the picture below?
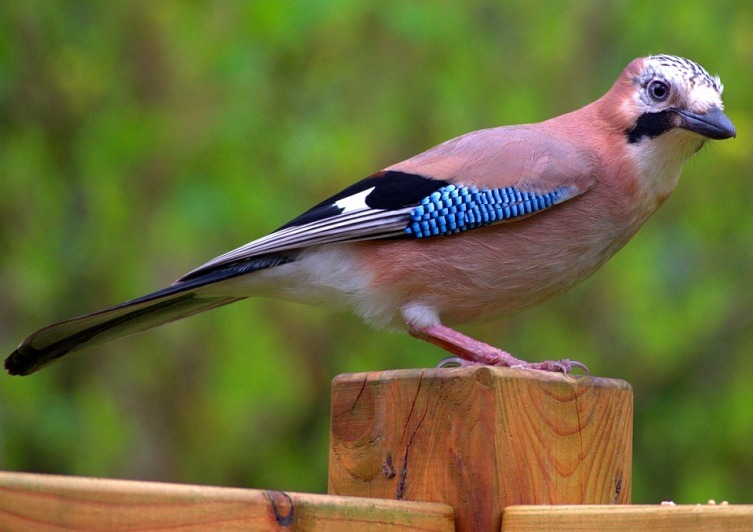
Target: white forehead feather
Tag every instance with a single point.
(702, 88)
(688, 71)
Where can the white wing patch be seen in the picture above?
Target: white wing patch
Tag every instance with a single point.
(355, 202)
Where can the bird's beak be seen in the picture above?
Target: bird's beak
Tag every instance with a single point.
(712, 124)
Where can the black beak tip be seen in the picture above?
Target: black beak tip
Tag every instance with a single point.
(726, 127)
(732, 131)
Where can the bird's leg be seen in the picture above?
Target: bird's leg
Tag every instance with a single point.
(472, 352)
(465, 347)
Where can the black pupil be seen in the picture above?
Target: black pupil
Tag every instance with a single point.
(659, 90)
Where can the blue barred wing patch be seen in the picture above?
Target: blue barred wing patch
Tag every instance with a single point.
(453, 209)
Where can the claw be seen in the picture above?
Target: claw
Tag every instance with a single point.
(581, 366)
(453, 362)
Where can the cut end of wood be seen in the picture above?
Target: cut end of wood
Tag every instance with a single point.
(483, 373)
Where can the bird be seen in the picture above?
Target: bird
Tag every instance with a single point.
(474, 229)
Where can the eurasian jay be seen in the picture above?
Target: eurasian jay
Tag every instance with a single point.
(476, 228)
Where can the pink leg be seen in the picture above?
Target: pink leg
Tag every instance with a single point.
(478, 353)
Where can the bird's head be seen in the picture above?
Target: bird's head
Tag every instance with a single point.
(666, 108)
(668, 93)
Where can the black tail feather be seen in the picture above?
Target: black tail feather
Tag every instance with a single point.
(175, 302)
(50, 343)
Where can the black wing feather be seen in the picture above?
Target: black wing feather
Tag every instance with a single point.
(392, 190)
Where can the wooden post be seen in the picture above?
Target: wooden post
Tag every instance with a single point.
(481, 438)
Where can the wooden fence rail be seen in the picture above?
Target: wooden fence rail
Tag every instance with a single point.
(32, 502)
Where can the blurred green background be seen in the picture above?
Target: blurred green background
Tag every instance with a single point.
(139, 139)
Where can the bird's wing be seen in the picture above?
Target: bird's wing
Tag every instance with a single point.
(485, 177)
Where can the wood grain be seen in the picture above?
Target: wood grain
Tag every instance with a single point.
(638, 517)
(480, 439)
(42, 502)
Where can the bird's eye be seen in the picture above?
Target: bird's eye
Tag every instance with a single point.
(658, 91)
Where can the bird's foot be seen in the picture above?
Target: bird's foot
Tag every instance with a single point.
(471, 352)
(561, 366)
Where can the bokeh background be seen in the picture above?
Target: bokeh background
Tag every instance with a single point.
(139, 139)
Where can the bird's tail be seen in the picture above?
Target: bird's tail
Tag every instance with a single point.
(50, 343)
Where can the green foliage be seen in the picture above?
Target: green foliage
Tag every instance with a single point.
(139, 139)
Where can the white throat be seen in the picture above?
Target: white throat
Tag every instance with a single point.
(660, 161)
